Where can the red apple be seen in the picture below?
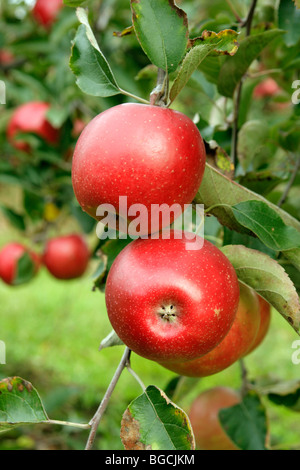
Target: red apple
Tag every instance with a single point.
(265, 321)
(234, 346)
(167, 302)
(78, 127)
(46, 11)
(31, 118)
(204, 418)
(266, 89)
(66, 257)
(6, 57)
(9, 257)
(150, 155)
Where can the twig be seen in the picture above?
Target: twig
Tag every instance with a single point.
(290, 183)
(235, 129)
(248, 21)
(263, 73)
(244, 376)
(95, 421)
(233, 11)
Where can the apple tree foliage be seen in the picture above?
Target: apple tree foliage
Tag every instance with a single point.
(210, 57)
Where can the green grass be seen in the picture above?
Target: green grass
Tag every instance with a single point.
(52, 330)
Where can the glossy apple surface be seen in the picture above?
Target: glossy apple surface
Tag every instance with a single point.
(235, 345)
(9, 257)
(167, 302)
(66, 257)
(150, 155)
(203, 414)
(31, 118)
(46, 11)
(265, 322)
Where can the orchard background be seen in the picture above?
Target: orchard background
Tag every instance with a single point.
(241, 89)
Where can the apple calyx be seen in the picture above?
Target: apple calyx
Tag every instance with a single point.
(168, 312)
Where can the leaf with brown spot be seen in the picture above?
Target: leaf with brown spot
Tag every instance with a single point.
(152, 421)
(225, 41)
(209, 44)
(19, 404)
(126, 32)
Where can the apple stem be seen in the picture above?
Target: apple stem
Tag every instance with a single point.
(160, 95)
(137, 378)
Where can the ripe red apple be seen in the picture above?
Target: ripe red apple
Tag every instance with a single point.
(31, 118)
(167, 302)
(10, 254)
(266, 89)
(66, 257)
(149, 154)
(46, 11)
(78, 127)
(204, 418)
(6, 57)
(235, 345)
(265, 321)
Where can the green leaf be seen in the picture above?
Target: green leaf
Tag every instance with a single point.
(246, 423)
(94, 75)
(112, 339)
(16, 220)
(25, 270)
(219, 193)
(73, 3)
(208, 43)
(294, 275)
(112, 248)
(34, 205)
(284, 393)
(86, 222)
(268, 279)
(234, 68)
(100, 275)
(153, 422)
(162, 31)
(19, 404)
(294, 257)
(261, 182)
(289, 20)
(234, 238)
(267, 225)
(57, 116)
(107, 254)
(252, 140)
(180, 386)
